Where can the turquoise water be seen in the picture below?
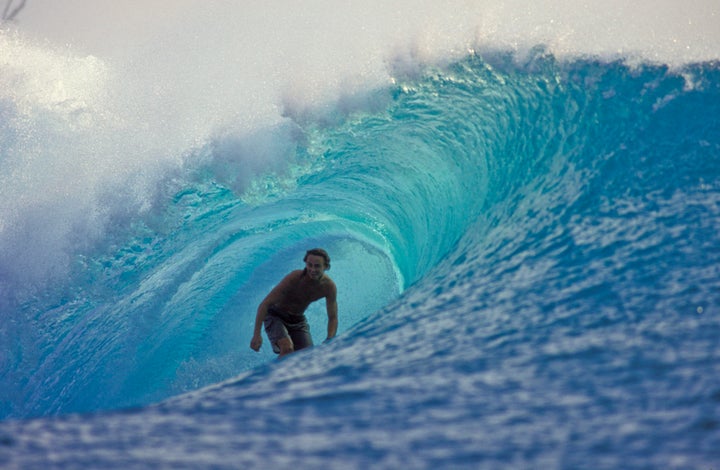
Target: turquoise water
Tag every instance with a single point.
(525, 248)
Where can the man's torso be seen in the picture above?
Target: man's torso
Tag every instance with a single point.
(300, 292)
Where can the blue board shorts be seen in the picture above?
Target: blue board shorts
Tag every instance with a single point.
(279, 325)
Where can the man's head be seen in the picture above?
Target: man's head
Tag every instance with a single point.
(317, 261)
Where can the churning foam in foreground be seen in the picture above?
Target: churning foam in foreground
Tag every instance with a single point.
(100, 100)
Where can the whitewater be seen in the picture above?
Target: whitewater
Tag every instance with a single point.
(521, 203)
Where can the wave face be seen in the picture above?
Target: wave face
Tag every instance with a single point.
(525, 248)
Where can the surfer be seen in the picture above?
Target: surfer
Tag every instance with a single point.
(283, 309)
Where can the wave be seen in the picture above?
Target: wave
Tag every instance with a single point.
(128, 101)
(389, 189)
(501, 220)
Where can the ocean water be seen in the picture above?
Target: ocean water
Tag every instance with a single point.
(522, 209)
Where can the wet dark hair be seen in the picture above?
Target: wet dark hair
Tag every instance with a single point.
(319, 252)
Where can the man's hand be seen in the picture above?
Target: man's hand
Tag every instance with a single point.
(256, 342)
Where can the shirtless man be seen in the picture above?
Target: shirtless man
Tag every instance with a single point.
(283, 309)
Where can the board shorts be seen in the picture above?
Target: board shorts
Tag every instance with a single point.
(279, 325)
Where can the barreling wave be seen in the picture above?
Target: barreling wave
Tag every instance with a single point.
(390, 188)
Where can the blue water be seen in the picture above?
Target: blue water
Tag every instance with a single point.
(525, 247)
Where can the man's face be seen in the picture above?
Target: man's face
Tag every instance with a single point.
(315, 266)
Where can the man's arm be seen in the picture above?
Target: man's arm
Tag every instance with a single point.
(332, 312)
